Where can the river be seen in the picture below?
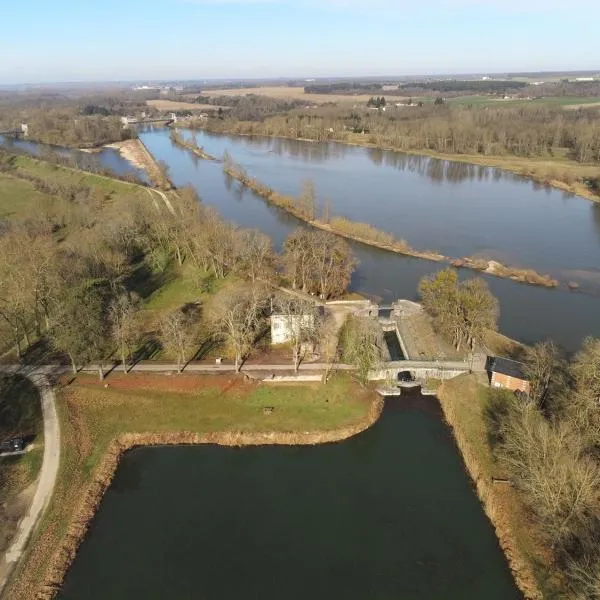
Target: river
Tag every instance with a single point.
(528, 313)
(388, 514)
(105, 158)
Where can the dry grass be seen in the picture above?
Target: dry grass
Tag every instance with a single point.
(98, 423)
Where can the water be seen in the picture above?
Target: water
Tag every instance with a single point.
(456, 208)
(387, 514)
(106, 158)
(528, 313)
(393, 344)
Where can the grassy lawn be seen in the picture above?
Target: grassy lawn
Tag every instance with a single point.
(92, 415)
(17, 196)
(20, 414)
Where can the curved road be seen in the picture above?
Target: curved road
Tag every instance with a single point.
(48, 472)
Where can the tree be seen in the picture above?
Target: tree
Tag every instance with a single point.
(361, 344)
(318, 262)
(585, 370)
(543, 368)
(479, 311)
(302, 324)
(178, 333)
(122, 315)
(81, 327)
(463, 311)
(558, 478)
(439, 294)
(306, 200)
(237, 315)
(256, 257)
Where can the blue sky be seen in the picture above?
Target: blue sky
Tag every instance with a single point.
(91, 40)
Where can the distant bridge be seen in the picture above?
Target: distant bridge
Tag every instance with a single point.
(425, 369)
(143, 120)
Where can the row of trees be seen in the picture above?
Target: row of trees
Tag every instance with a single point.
(524, 131)
(549, 444)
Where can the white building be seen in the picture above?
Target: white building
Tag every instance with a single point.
(285, 327)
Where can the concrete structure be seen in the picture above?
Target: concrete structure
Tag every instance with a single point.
(507, 374)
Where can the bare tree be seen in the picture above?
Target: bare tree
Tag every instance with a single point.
(178, 334)
(256, 257)
(81, 328)
(238, 315)
(301, 321)
(544, 369)
(122, 315)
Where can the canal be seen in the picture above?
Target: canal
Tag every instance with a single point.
(387, 514)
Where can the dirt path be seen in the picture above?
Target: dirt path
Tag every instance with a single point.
(48, 472)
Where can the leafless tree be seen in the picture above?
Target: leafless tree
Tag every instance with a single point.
(237, 315)
(122, 315)
(302, 324)
(178, 334)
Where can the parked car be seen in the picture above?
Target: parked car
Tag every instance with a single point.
(16, 444)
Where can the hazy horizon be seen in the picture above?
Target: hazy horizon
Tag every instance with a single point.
(75, 42)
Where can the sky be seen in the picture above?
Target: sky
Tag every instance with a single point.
(123, 40)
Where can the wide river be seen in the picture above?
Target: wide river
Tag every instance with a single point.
(455, 208)
(388, 514)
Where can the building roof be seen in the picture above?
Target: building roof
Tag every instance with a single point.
(506, 366)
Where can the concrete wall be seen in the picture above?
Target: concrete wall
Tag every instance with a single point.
(422, 374)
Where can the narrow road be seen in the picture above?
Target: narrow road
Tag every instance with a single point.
(48, 472)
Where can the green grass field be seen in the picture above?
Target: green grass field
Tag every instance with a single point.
(17, 197)
(92, 415)
(553, 101)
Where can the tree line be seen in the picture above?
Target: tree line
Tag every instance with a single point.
(549, 443)
(528, 131)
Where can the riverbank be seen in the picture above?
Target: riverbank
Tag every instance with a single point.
(566, 175)
(137, 154)
(370, 236)
(463, 403)
(99, 424)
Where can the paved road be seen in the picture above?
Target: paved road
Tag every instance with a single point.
(49, 470)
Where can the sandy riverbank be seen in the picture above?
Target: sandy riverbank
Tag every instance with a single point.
(137, 154)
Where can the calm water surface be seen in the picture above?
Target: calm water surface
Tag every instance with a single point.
(456, 208)
(528, 313)
(388, 514)
(107, 158)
